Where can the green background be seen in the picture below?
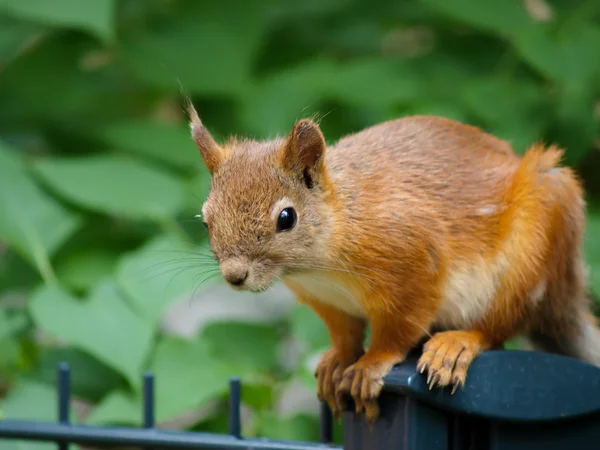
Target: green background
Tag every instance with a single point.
(100, 181)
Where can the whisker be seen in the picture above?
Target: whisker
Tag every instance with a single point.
(188, 220)
(333, 268)
(197, 198)
(184, 270)
(163, 264)
(178, 270)
(201, 283)
(186, 252)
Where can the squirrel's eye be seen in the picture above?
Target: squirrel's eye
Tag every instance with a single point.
(286, 220)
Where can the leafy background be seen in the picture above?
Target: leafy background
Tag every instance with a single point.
(101, 261)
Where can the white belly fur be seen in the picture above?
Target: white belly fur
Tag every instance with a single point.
(331, 291)
(468, 291)
(471, 288)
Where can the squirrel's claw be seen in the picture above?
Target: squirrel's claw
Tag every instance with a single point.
(364, 381)
(447, 356)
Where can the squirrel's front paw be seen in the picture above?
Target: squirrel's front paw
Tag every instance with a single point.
(329, 373)
(364, 381)
(447, 356)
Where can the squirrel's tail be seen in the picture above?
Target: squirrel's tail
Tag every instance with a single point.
(573, 333)
(550, 197)
(540, 171)
(585, 344)
(544, 216)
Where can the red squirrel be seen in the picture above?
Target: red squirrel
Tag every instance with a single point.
(420, 227)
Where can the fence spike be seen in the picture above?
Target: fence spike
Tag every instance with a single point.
(235, 420)
(148, 418)
(64, 398)
(325, 424)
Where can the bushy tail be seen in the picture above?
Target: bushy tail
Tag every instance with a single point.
(550, 198)
(543, 204)
(539, 170)
(586, 345)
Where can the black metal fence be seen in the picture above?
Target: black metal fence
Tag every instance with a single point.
(513, 400)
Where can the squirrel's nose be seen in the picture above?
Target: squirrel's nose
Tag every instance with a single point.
(234, 272)
(238, 278)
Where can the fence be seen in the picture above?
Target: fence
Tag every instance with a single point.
(513, 400)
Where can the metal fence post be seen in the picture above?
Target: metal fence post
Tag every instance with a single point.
(64, 399)
(235, 400)
(325, 424)
(513, 400)
(148, 402)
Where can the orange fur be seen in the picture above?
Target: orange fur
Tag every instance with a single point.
(414, 226)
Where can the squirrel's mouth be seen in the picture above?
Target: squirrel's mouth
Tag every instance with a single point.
(254, 276)
(252, 287)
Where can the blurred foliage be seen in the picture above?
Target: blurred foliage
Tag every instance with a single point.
(99, 178)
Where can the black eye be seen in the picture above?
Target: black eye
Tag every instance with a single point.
(286, 220)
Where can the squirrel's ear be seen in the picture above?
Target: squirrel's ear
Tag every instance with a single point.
(305, 146)
(211, 153)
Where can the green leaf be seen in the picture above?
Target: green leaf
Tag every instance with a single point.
(592, 249)
(443, 109)
(10, 326)
(497, 16)
(248, 348)
(29, 401)
(305, 86)
(569, 55)
(292, 10)
(576, 125)
(94, 16)
(16, 273)
(102, 325)
(512, 344)
(309, 329)
(300, 427)
(114, 185)
(519, 112)
(79, 83)
(508, 97)
(220, 59)
(83, 268)
(258, 395)
(91, 379)
(117, 408)
(14, 37)
(163, 271)
(31, 222)
(187, 376)
(163, 142)
(198, 188)
(390, 82)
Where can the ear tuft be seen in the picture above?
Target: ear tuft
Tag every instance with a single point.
(209, 149)
(305, 146)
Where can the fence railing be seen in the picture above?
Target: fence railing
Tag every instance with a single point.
(513, 400)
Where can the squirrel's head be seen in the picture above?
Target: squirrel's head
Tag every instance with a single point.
(267, 213)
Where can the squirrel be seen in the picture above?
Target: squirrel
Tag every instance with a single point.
(420, 227)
